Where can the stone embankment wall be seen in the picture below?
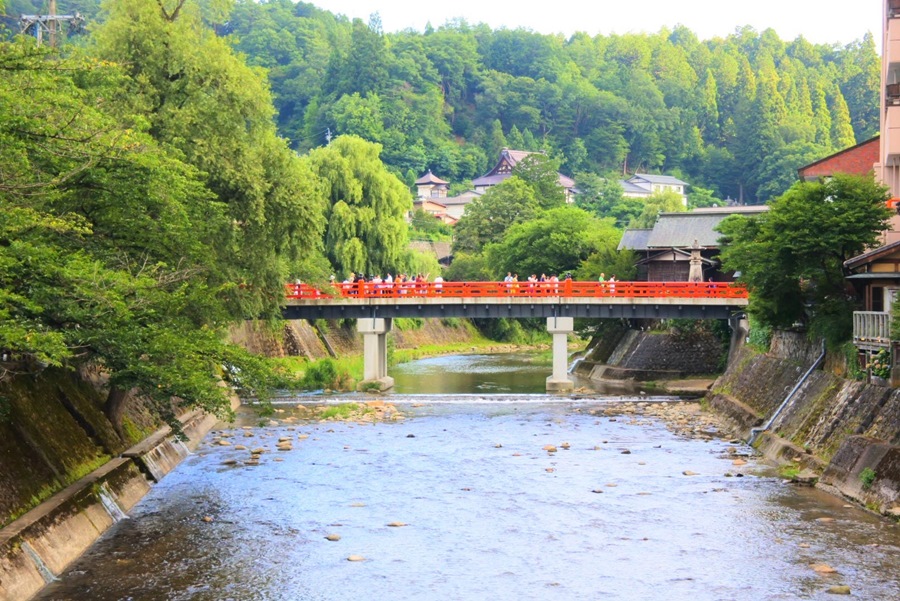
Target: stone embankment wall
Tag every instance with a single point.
(836, 427)
(58, 448)
(313, 340)
(645, 356)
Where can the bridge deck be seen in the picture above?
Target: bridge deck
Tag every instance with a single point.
(651, 300)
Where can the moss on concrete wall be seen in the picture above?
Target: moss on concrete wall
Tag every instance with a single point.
(55, 433)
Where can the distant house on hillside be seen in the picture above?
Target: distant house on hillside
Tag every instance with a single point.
(642, 185)
(504, 169)
(431, 186)
(456, 205)
(666, 250)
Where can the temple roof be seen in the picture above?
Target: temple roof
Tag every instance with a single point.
(681, 230)
(507, 162)
(430, 178)
(634, 239)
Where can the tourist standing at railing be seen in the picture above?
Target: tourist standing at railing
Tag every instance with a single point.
(612, 284)
(438, 284)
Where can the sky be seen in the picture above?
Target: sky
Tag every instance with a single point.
(821, 21)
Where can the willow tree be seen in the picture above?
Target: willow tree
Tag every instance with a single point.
(367, 230)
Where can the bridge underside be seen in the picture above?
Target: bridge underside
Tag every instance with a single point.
(630, 309)
(374, 319)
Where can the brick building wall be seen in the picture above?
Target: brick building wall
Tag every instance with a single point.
(857, 160)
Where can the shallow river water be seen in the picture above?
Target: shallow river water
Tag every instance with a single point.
(486, 513)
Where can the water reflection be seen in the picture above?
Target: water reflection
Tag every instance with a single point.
(502, 373)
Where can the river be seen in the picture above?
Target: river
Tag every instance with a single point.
(462, 500)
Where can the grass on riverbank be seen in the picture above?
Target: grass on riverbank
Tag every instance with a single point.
(342, 373)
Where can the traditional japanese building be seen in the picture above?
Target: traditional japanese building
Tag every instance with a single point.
(666, 251)
(504, 169)
(431, 186)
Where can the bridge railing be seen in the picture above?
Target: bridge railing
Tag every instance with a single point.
(564, 288)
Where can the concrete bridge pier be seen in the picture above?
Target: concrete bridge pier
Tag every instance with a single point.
(374, 333)
(560, 327)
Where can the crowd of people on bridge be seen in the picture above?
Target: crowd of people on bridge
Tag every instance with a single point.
(403, 283)
(420, 284)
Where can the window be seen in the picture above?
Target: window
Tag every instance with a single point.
(877, 298)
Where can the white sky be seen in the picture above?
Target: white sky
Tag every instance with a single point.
(819, 21)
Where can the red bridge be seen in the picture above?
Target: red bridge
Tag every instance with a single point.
(375, 305)
(564, 288)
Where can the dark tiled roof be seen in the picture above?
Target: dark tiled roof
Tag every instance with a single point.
(634, 239)
(681, 230)
(490, 180)
(659, 179)
(430, 178)
(513, 158)
(673, 254)
(872, 256)
(463, 199)
(630, 188)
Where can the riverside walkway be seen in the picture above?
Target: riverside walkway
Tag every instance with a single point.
(374, 305)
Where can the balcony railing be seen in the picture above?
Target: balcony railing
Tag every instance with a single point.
(871, 329)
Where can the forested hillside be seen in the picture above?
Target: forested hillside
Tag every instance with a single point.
(736, 115)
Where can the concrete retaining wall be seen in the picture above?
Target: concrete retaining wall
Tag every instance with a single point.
(647, 356)
(836, 426)
(41, 544)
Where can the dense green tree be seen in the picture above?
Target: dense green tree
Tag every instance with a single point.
(110, 252)
(469, 267)
(555, 242)
(604, 197)
(638, 102)
(792, 257)
(778, 171)
(699, 197)
(541, 173)
(658, 202)
(356, 116)
(203, 102)
(841, 130)
(425, 226)
(489, 216)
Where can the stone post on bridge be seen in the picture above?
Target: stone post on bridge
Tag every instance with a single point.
(560, 327)
(374, 333)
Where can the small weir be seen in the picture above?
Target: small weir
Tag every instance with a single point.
(42, 568)
(108, 500)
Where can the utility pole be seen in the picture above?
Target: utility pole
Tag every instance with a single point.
(50, 24)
